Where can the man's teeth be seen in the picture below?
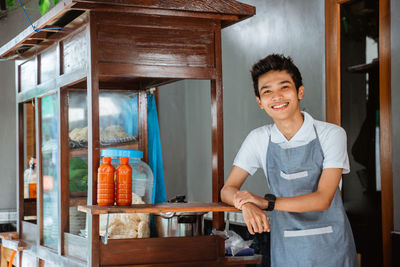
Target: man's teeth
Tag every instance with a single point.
(282, 105)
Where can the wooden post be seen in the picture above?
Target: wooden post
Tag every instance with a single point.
(385, 107)
(332, 61)
(39, 197)
(93, 140)
(143, 131)
(63, 168)
(217, 131)
(20, 167)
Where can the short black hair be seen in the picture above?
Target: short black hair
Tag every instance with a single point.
(275, 62)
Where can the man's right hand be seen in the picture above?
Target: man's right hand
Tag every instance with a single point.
(242, 197)
(255, 218)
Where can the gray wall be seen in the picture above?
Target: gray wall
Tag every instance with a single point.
(395, 45)
(10, 27)
(295, 28)
(172, 121)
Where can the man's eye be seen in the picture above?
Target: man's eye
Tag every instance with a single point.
(266, 92)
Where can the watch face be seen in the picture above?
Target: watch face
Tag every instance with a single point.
(270, 197)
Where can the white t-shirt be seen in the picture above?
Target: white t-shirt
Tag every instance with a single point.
(253, 152)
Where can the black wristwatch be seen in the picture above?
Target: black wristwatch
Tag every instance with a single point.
(271, 201)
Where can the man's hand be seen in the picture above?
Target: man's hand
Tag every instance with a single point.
(242, 197)
(255, 218)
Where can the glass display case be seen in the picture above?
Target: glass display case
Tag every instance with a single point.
(88, 72)
(119, 128)
(118, 119)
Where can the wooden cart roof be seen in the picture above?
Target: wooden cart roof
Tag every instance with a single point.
(70, 14)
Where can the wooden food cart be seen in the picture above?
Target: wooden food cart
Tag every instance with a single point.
(78, 54)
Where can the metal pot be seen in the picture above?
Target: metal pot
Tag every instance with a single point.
(179, 224)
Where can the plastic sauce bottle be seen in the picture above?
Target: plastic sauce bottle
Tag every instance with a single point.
(105, 183)
(124, 183)
(32, 180)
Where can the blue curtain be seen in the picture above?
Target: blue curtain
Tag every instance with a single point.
(155, 155)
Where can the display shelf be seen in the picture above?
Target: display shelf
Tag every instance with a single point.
(14, 244)
(8, 235)
(80, 152)
(156, 208)
(77, 201)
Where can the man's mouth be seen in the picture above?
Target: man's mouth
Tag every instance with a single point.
(280, 106)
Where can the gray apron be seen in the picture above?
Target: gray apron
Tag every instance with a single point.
(318, 238)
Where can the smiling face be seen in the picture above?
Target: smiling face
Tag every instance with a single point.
(279, 97)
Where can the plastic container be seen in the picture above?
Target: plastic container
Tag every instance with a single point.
(105, 183)
(142, 176)
(124, 183)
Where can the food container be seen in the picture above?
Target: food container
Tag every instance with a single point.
(179, 224)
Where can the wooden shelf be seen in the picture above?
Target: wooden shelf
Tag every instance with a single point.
(14, 244)
(82, 152)
(156, 208)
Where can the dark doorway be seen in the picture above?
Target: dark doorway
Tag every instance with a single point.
(360, 119)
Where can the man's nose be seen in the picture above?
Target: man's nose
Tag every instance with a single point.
(276, 95)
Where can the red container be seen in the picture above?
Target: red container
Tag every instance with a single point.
(105, 183)
(124, 183)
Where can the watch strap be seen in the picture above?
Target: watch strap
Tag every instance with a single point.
(271, 201)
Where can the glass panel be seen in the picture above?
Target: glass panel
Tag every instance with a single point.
(49, 118)
(28, 75)
(78, 162)
(75, 52)
(30, 179)
(118, 119)
(48, 64)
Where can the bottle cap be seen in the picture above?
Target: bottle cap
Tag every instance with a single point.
(121, 152)
(106, 159)
(124, 160)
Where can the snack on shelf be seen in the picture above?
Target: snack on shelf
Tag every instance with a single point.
(79, 134)
(121, 225)
(111, 135)
(113, 132)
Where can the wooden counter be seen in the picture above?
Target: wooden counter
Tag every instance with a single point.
(156, 208)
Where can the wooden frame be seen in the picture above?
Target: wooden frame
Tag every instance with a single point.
(333, 110)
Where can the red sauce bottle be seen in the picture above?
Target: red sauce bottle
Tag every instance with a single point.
(124, 183)
(105, 183)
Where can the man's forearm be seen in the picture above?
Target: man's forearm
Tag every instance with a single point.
(228, 193)
(303, 203)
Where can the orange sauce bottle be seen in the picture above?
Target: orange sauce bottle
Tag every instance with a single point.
(105, 183)
(124, 183)
(32, 191)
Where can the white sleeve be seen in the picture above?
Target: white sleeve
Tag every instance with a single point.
(335, 150)
(248, 157)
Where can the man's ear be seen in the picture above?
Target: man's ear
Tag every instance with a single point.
(300, 93)
(259, 102)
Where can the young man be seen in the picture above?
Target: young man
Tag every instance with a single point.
(303, 160)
